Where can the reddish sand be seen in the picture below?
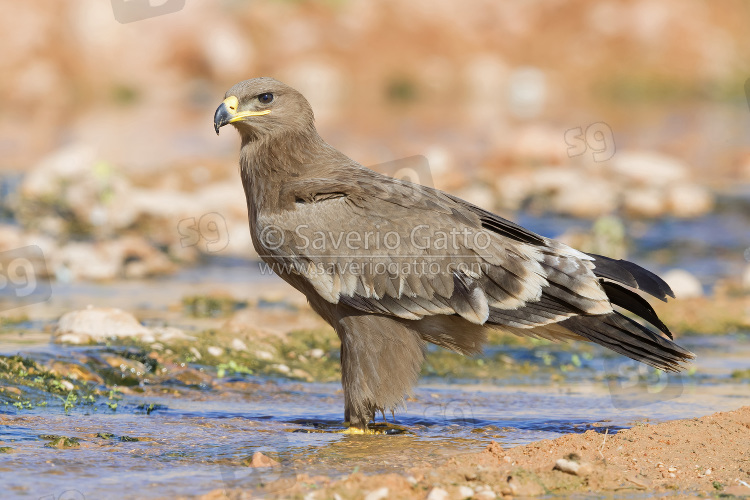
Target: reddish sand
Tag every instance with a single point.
(688, 458)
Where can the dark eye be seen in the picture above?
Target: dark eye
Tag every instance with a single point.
(265, 98)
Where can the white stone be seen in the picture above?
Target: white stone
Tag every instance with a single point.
(282, 368)
(683, 284)
(644, 202)
(465, 492)
(101, 323)
(263, 355)
(649, 168)
(437, 494)
(238, 345)
(215, 351)
(589, 199)
(689, 200)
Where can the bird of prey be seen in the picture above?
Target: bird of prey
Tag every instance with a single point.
(393, 265)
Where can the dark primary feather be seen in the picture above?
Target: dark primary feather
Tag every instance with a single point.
(634, 303)
(632, 275)
(627, 337)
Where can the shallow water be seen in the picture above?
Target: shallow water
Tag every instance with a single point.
(195, 440)
(192, 445)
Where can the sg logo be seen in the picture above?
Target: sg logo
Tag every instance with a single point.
(211, 229)
(128, 11)
(598, 137)
(23, 277)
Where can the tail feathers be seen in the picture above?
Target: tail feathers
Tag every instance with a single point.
(631, 275)
(623, 335)
(627, 299)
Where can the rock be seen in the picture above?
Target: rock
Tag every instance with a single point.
(379, 494)
(191, 376)
(265, 355)
(170, 333)
(129, 257)
(72, 180)
(589, 198)
(644, 202)
(437, 494)
(318, 353)
(301, 374)
(746, 277)
(98, 324)
(85, 261)
(238, 345)
(648, 168)
(689, 200)
(572, 467)
(215, 351)
(683, 284)
(465, 492)
(73, 371)
(261, 460)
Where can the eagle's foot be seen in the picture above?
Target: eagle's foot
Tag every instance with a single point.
(379, 428)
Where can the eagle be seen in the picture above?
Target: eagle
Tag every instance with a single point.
(393, 265)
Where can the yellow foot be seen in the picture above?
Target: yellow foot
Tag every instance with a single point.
(372, 429)
(379, 428)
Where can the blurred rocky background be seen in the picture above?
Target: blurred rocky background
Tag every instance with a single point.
(621, 126)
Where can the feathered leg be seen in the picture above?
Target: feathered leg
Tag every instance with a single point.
(380, 363)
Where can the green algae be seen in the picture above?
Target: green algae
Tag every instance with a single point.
(60, 442)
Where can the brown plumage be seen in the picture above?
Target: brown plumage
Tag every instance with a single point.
(392, 265)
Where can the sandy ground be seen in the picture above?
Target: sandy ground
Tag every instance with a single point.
(693, 458)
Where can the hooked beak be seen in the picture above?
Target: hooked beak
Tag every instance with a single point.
(227, 113)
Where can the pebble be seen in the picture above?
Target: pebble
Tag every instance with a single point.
(261, 460)
(215, 351)
(263, 355)
(465, 492)
(437, 494)
(572, 467)
(238, 345)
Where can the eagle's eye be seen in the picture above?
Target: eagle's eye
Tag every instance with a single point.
(265, 98)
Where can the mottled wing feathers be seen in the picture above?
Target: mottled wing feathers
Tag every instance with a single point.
(389, 247)
(392, 247)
